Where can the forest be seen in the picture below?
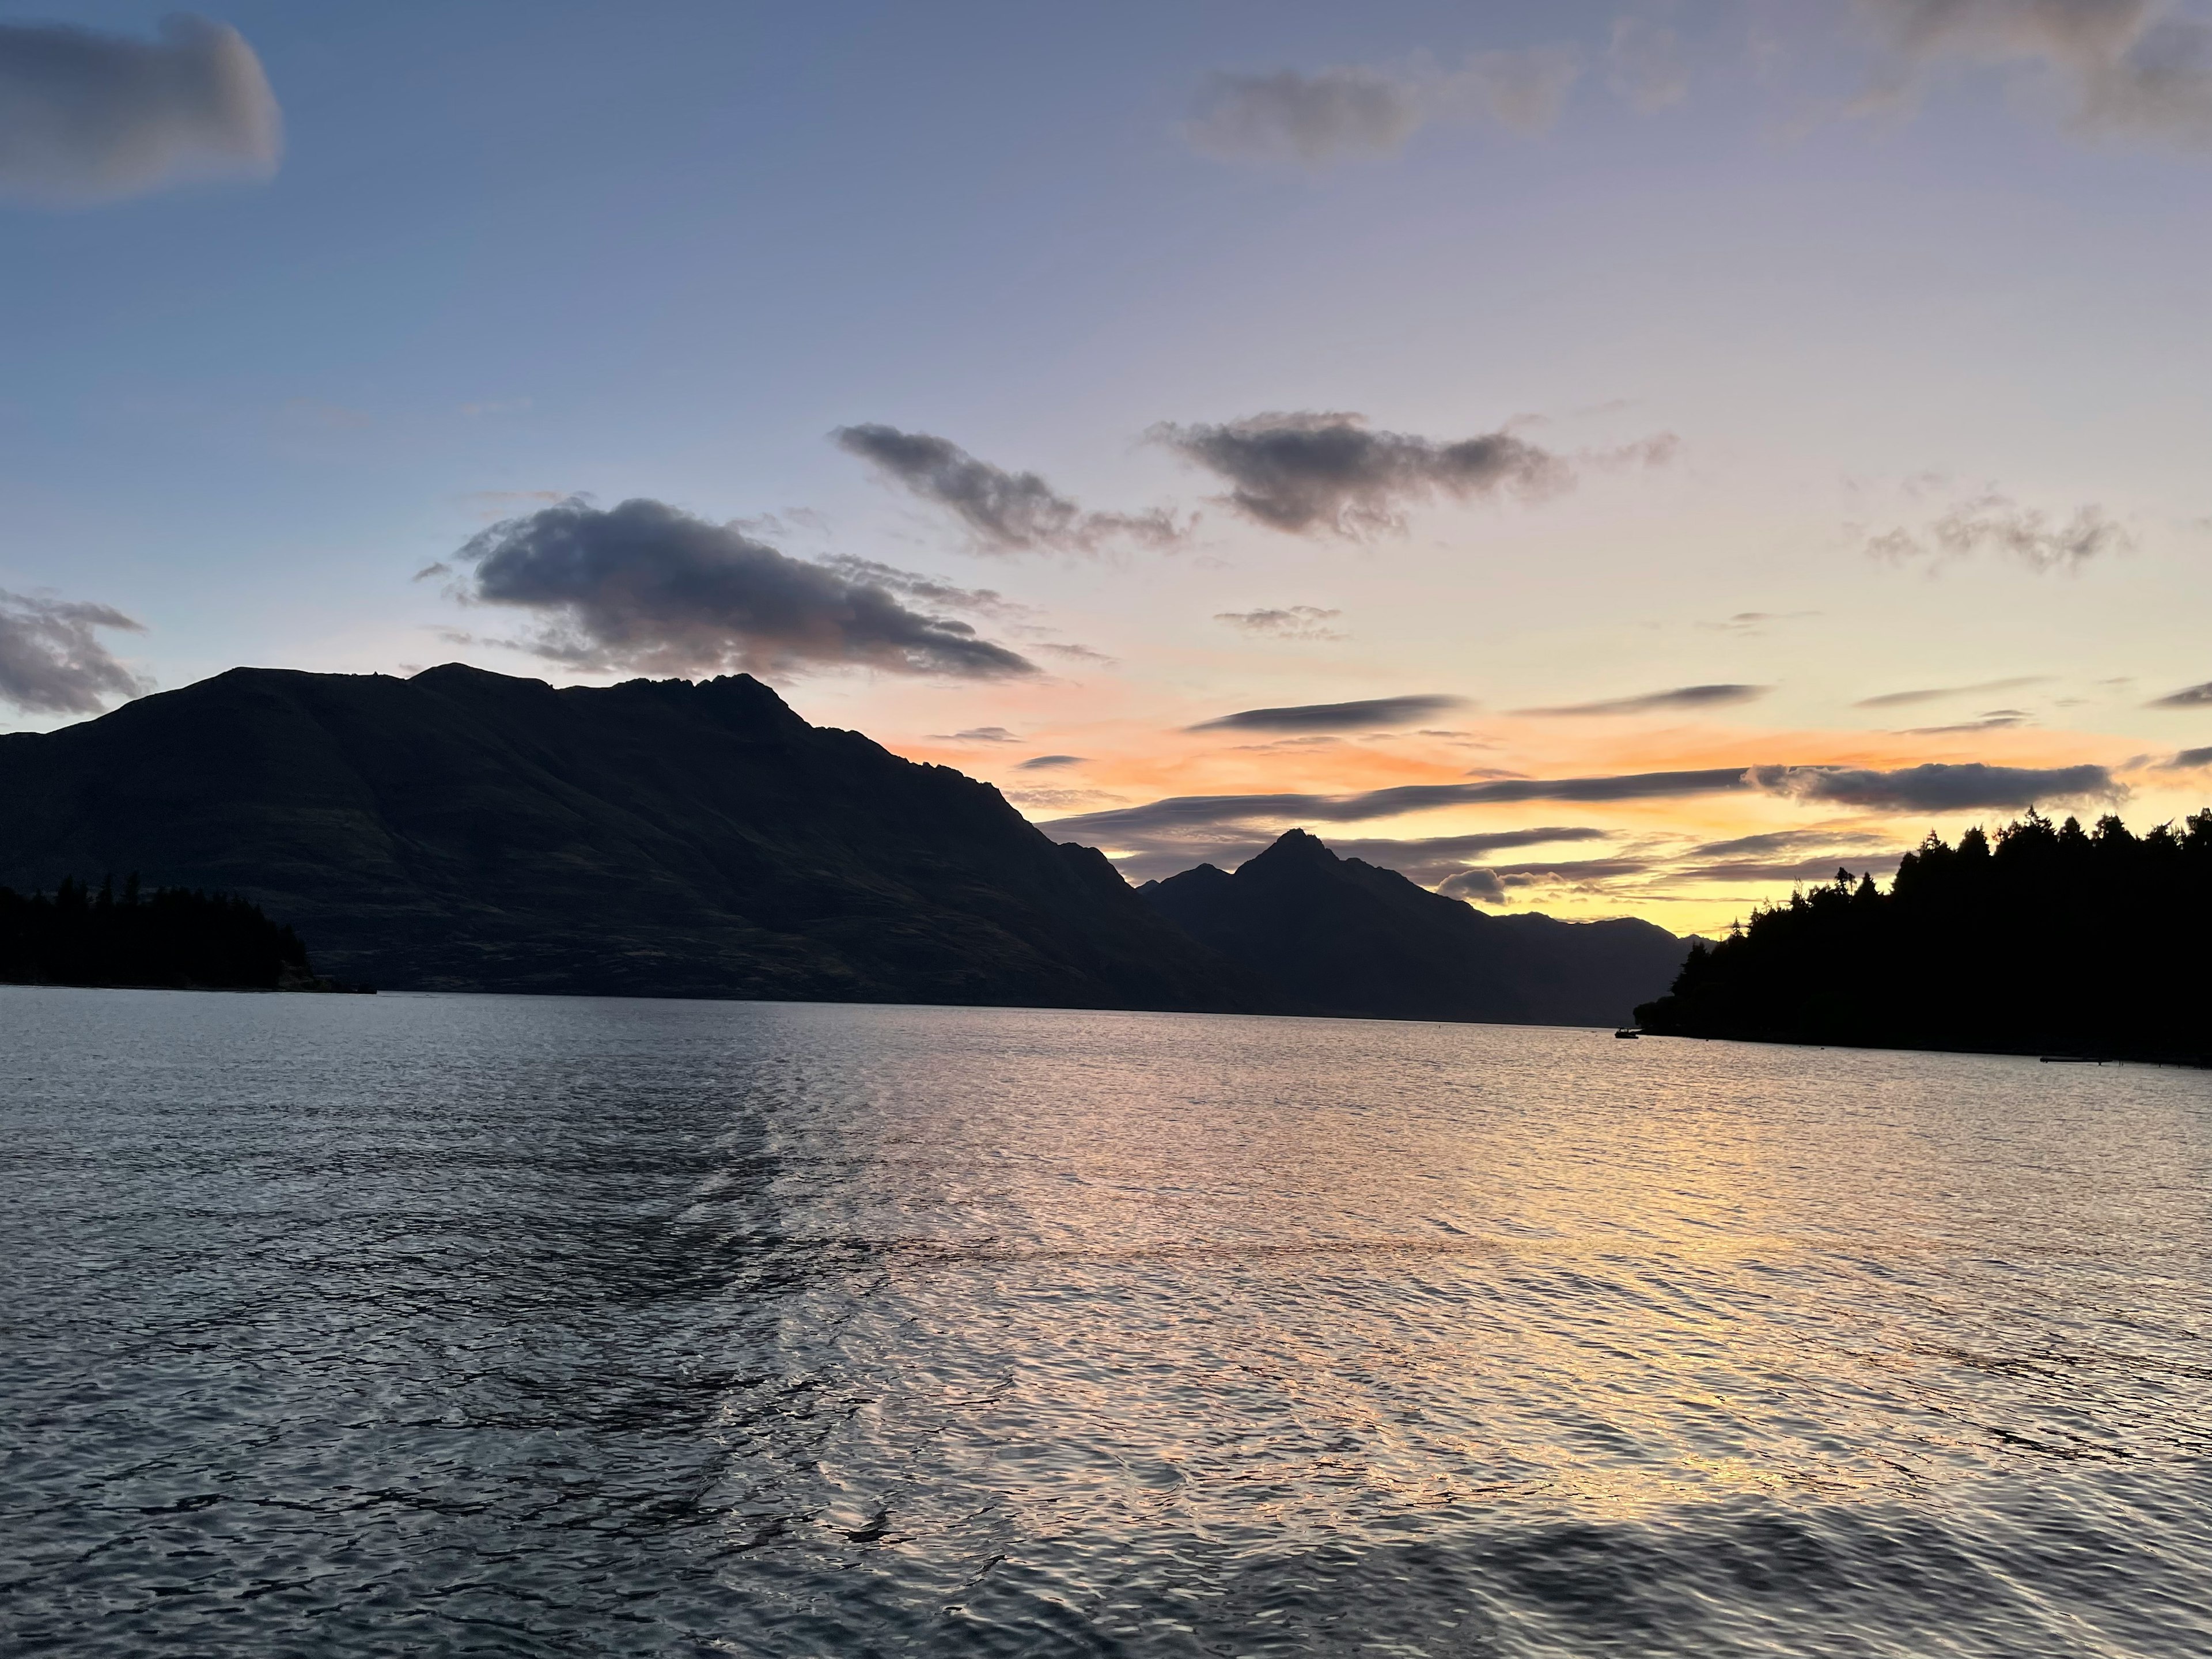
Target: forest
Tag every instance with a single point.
(170, 938)
(2044, 939)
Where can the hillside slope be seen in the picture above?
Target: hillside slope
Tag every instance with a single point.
(465, 829)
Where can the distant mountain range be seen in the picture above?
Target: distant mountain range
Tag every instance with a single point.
(469, 831)
(1338, 936)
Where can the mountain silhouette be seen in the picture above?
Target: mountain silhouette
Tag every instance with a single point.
(1340, 936)
(469, 830)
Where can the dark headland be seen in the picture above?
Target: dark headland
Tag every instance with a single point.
(467, 830)
(2045, 939)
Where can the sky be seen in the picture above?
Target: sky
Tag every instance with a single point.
(1621, 459)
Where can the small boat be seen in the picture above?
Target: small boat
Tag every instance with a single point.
(1628, 1031)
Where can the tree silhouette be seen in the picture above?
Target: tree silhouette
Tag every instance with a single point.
(2049, 938)
(173, 937)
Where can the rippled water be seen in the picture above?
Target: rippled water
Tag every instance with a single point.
(341, 1326)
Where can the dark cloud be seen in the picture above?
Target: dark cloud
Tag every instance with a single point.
(2124, 67)
(86, 116)
(1996, 524)
(1334, 716)
(1171, 834)
(1906, 699)
(2190, 697)
(1680, 697)
(2187, 760)
(51, 660)
(1295, 622)
(1330, 472)
(1047, 763)
(1938, 788)
(644, 586)
(1432, 860)
(1180, 812)
(1355, 109)
(1833, 842)
(1005, 511)
(979, 734)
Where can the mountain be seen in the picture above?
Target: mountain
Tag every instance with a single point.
(1340, 936)
(469, 831)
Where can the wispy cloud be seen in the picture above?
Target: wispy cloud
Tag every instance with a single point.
(1335, 716)
(1997, 524)
(86, 116)
(642, 586)
(2188, 760)
(1936, 693)
(1295, 622)
(1996, 720)
(1679, 696)
(1049, 763)
(1004, 512)
(2190, 697)
(981, 734)
(1645, 65)
(2136, 68)
(1354, 111)
(53, 660)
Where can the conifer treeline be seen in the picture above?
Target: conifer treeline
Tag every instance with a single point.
(2050, 939)
(174, 937)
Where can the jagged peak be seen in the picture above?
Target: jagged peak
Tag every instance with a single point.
(1293, 846)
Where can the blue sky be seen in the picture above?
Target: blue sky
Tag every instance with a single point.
(1916, 292)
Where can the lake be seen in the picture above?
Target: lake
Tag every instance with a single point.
(483, 1325)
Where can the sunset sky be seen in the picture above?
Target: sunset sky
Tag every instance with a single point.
(1715, 441)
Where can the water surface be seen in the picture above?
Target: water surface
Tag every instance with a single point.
(472, 1325)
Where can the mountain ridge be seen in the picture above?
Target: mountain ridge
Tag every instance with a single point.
(466, 830)
(1340, 936)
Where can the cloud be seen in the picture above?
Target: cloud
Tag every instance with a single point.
(2123, 67)
(1334, 716)
(1991, 523)
(1996, 720)
(1005, 511)
(1644, 63)
(1328, 471)
(1182, 812)
(981, 734)
(644, 586)
(1430, 860)
(1365, 111)
(1932, 694)
(1754, 621)
(2187, 760)
(2190, 697)
(1938, 788)
(86, 116)
(931, 590)
(1476, 886)
(1047, 763)
(1295, 622)
(1771, 842)
(1680, 697)
(51, 662)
